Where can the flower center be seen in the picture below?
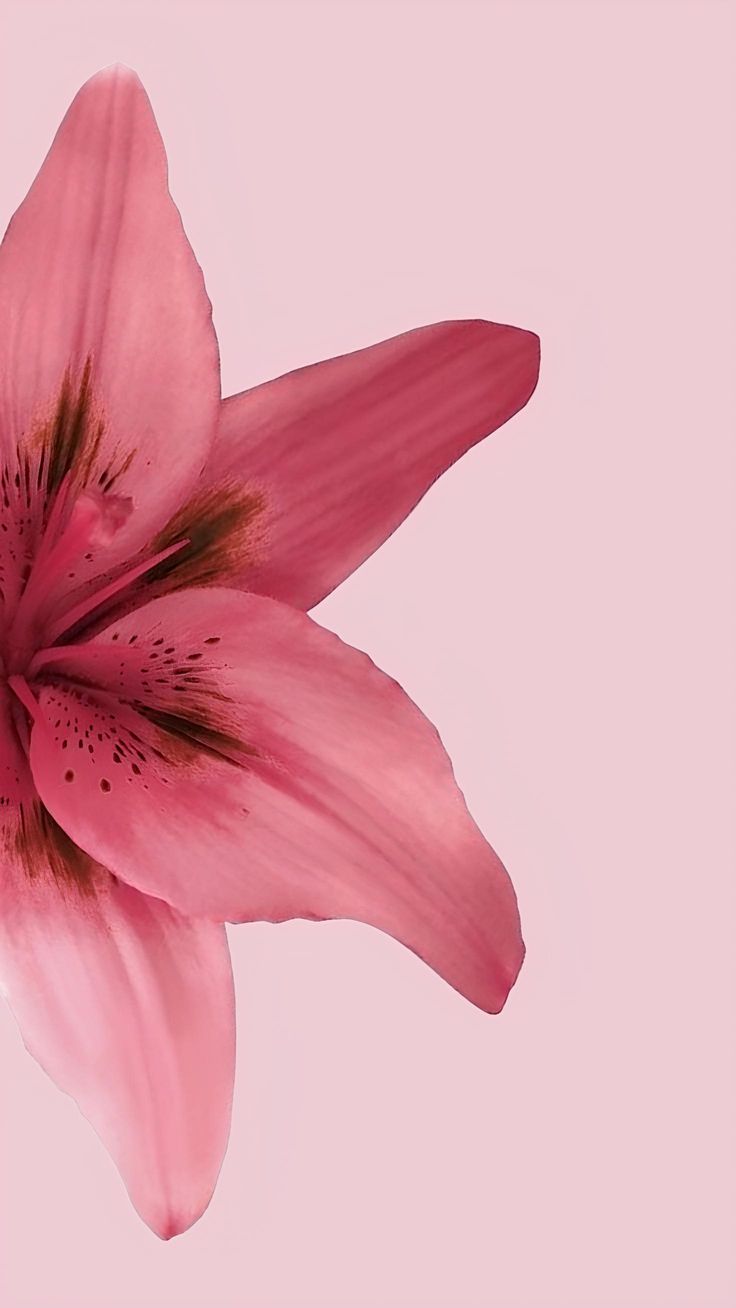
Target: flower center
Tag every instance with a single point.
(76, 531)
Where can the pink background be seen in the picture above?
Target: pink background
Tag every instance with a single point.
(560, 605)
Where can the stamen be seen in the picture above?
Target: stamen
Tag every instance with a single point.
(92, 602)
(22, 690)
(44, 658)
(37, 579)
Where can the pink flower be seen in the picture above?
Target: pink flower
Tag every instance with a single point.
(180, 745)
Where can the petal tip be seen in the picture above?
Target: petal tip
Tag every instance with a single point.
(526, 343)
(115, 84)
(169, 1228)
(510, 979)
(525, 351)
(512, 356)
(118, 72)
(171, 1222)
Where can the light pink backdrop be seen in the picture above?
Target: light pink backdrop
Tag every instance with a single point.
(561, 606)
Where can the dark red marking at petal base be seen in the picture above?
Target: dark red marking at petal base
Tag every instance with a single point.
(42, 845)
(223, 526)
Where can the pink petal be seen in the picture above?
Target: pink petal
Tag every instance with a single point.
(96, 273)
(129, 1008)
(242, 762)
(345, 449)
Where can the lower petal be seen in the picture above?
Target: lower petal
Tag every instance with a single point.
(128, 1006)
(240, 761)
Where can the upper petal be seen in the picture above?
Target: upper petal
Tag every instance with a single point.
(128, 1006)
(238, 760)
(108, 358)
(343, 450)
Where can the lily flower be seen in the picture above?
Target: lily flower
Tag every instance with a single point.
(181, 746)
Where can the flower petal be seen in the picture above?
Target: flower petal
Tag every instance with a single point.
(276, 773)
(129, 1007)
(108, 358)
(343, 450)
